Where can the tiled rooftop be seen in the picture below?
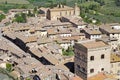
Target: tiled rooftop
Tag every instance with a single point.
(99, 76)
(92, 31)
(94, 44)
(109, 28)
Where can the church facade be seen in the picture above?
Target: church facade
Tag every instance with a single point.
(61, 10)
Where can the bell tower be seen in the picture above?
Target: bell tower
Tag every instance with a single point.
(77, 10)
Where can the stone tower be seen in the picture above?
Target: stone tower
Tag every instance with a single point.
(91, 58)
(77, 10)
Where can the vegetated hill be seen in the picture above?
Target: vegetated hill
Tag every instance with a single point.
(47, 3)
(15, 1)
(6, 5)
(105, 11)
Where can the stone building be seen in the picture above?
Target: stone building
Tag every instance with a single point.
(61, 10)
(113, 42)
(92, 33)
(91, 58)
(111, 30)
(115, 64)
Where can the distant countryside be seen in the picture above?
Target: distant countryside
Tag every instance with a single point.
(103, 11)
(15, 1)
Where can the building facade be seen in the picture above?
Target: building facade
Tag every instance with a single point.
(115, 64)
(61, 10)
(91, 58)
(112, 31)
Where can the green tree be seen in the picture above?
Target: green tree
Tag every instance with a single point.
(2, 16)
(9, 67)
(68, 52)
(117, 2)
(28, 79)
(6, 2)
(90, 6)
(64, 2)
(35, 10)
(20, 18)
(30, 14)
(23, 7)
(102, 2)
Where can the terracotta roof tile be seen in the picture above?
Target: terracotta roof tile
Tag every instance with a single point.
(94, 44)
(77, 78)
(100, 76)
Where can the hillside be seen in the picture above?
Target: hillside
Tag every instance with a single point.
(105, 11)
(6, 5)
(15, 1)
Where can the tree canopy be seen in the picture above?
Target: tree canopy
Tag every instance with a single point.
(20, 18)
(2, 16)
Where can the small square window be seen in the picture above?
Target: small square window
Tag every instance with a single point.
(102, 56)
(102, 69)
(91, 70)
(92, 58)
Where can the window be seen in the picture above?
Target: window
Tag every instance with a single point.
(92, 58)
(102, 69)
(102, 56)
(91, 70)
(113, 34)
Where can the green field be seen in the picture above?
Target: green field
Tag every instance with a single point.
(15, 1)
